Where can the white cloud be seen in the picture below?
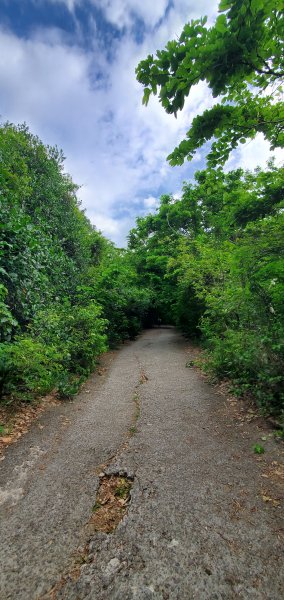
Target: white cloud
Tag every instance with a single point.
(122, 12)
(151, 202)
(254, 153)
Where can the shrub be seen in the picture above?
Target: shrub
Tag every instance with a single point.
(28, 368)
(7, 322)
(254, 362)
(76, 331)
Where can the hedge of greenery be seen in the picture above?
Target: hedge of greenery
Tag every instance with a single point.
(66, 292)
(215, 261)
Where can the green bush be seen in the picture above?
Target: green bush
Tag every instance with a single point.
(254, 362)
(124, 302)
(28, 368)
(59, 352)
(7, 322)
(78, 333)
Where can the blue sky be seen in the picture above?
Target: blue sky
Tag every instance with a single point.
(67, 68)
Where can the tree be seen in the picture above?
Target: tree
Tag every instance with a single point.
(64, 289)
(214, 260)
(241, 60)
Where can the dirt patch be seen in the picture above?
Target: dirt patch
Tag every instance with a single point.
(245, 404)
(15, 421)
(112, 501)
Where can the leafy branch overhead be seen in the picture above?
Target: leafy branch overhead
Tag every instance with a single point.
(241, 59)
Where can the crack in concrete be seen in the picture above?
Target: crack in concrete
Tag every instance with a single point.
(107, 472)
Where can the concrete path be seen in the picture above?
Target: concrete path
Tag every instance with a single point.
(204, 520)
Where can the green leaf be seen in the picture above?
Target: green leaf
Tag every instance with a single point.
(255, 6)
(147, 94)
(221, 24)
(258, 449)
(224, 5)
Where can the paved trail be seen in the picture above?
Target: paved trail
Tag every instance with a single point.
(197, 526)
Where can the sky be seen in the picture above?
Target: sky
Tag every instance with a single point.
(67, 69)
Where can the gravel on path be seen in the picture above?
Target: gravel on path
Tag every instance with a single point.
(202, 523)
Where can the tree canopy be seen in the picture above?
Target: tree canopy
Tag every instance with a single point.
(241, 59)
(214, 260)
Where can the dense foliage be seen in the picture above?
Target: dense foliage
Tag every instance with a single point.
(241, 59)
(65, 291)
(211, 262)
(215, 262)
(215, 258)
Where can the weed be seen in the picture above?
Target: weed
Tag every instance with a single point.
(258, 449)
(279, 434)
(123, 488)
(190, 363)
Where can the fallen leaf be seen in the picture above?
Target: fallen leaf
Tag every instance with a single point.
(6, 439)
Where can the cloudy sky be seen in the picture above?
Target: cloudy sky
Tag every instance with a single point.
(67, 68)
